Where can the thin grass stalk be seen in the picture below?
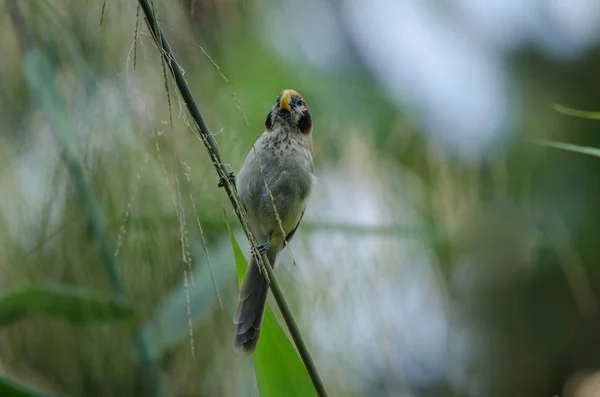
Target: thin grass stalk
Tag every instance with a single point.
(211, 146)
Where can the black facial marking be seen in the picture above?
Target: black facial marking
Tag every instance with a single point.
(305, 122)
(269, 121)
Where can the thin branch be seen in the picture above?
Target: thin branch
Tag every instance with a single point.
(213, 151)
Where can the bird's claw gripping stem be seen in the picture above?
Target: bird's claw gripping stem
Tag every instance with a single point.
(229, 176)
(264, 247)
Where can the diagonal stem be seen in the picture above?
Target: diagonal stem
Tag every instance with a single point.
(213, 151)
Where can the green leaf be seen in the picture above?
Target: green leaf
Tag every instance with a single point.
(582, 114)
(10, 388)
(74, 304)
(592, 151)
(278, 367)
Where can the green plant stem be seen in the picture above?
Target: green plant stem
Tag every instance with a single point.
(213, 151)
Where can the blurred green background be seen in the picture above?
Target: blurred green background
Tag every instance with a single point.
(442, 253)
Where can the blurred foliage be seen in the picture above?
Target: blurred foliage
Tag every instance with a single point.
(514, 234)
(75, 305)
(9, 388)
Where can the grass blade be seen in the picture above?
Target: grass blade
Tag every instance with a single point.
(582, 114)
(591, 151)
(74, 304)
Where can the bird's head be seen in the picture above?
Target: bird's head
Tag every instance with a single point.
(290, 111)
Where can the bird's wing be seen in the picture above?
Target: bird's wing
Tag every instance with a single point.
(291, 234)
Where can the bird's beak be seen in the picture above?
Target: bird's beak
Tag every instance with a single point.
(286, 98)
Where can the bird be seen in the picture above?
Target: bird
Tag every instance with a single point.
(282, 160)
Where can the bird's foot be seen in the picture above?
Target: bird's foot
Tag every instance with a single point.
(229, 176)
(264, 247)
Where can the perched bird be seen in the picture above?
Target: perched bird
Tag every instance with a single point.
(282, 160)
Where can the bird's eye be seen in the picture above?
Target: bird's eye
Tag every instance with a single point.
(299, 102)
